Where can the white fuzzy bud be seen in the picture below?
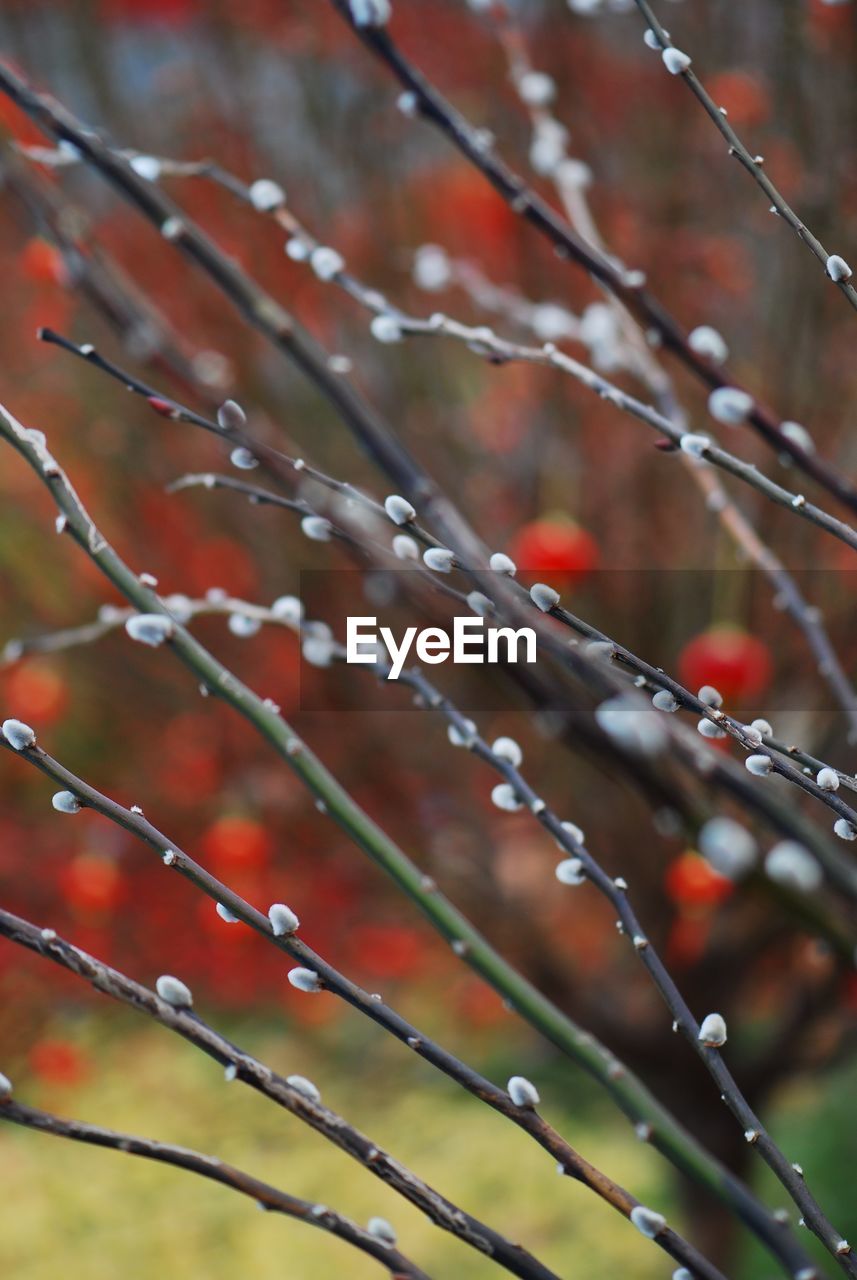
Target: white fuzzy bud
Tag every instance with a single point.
(462, 737)
(174, 992)
(663, 700)
(759, 766)
(694, 445)
(241, 624)
(304, 1087)
(480, 603)
(326, 262)
(316, 528)
(682, 1273)
(638, 730)
(675, 61)
(288, 609)
(536, 88)
(408, 104)
(231, 417)
(19, 735)
(149, 628)
(370, 13)
(225, 913)
(647, 1222)
(547, 149)
(148, 167)
(710, 696)
(318, 650)
(712, 1033)
(283, 919)
(266, 195)
(5, 1086)
(828, 779)
(792, 866)
(65, 802)
(432, 270)
(838, 269)
(507, 749)
(651, 39)
(570, 871)
(439, 559)
(728, 847)
(843, 828)
(523, 1092)
(305, 980)
(730, 405)
(707, 342)
(708, 729)
(798, 435)
(172, 229)
(297, 249)
(386, 329)
(505, 797)
(501, 563)
(550, 322)
(381, 1229)
(243, 459)
(405, 547)
(572, 172)
(399, 509)
(544, 597)
(574, 831)
(180, 607)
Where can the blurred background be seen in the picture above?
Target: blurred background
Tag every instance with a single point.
(562, 481)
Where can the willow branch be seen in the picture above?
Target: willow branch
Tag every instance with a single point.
(266, 1196)
(512, 1258)
(753, 164)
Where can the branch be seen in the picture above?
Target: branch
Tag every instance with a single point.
(297, 1099)
(753, 164)
(266, 1196)
(466, 940)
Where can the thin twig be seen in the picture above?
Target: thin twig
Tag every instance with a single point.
(752, 163)
(427, 102)
(266, 1196)
(512, 1258)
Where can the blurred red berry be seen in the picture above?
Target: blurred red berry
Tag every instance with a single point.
(557, 547)
(38, 693)
(42, 263)
(737, 664)
(237, 844)
(58, 1061)
(691, 882)
(92, 884)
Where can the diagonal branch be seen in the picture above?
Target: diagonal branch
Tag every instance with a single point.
(266, 1196)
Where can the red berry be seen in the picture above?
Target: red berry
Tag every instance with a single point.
(737, 664)
(38, 693)
(92, 884)
(556, 547)
(58, 1061)
(237, 844)
(42, 263)
(691, 882)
